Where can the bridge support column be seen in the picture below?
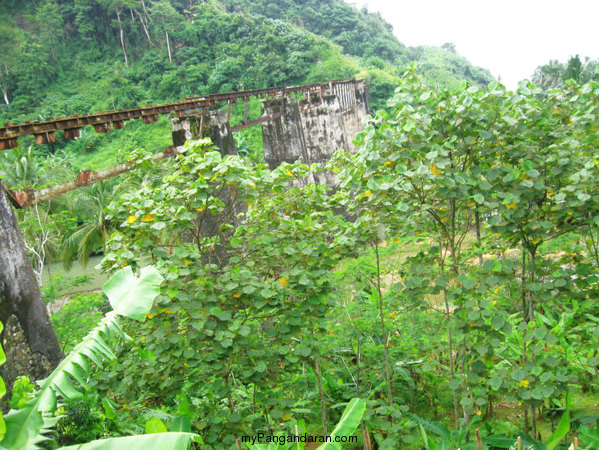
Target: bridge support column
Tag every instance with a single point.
(198, 124)
(313, 128)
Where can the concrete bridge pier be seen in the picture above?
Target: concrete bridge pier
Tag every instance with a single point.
(311, 129)
(198, 124)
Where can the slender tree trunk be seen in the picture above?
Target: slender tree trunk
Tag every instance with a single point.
(383, 328)
(145, 27)
(478, 238)
(525, 319)
(5, 95)
(449, 335)
(122, 35)
(143, 5)
(168, 46)
(323, 409)
(232, 408)
(450, 351)
(531, 315)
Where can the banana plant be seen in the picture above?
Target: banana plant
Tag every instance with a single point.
(446, 439)
(589, 436)
(347, 425)
(129, 296)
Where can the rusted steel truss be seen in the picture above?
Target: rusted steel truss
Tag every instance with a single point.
(107, 120)
(251, 123)
(27, 197)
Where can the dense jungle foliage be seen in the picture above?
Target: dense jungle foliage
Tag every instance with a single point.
(461, 296)
(445, 294)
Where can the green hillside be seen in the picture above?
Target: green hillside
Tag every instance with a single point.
(76, 56)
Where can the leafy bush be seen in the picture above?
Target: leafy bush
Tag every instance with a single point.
(75, 319)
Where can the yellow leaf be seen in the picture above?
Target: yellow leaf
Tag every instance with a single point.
(524, 383)
(367, 194)
(286, 416)
(434, 169)
(148, 218)
(289, 173)
(131, 219)
(511, 205)
(283, 281)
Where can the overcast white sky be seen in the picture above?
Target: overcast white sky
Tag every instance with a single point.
(508, 37)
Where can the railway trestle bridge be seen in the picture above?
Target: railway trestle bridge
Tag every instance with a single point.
(307, 122)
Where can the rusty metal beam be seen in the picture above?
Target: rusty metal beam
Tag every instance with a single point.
(28, 197)
(103, 122)
(251, 123)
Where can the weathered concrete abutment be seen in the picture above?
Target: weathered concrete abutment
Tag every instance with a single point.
(312, 128)
(307, 129)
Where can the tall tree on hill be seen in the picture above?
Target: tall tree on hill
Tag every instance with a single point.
(10, 41)
(50, 24)
(574, 69)
(168, 17)
(554, 74)
(117, 7)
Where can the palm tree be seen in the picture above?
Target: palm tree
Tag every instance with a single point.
(18, 168)
(91, 236)
(42, 225)
(90, 205)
